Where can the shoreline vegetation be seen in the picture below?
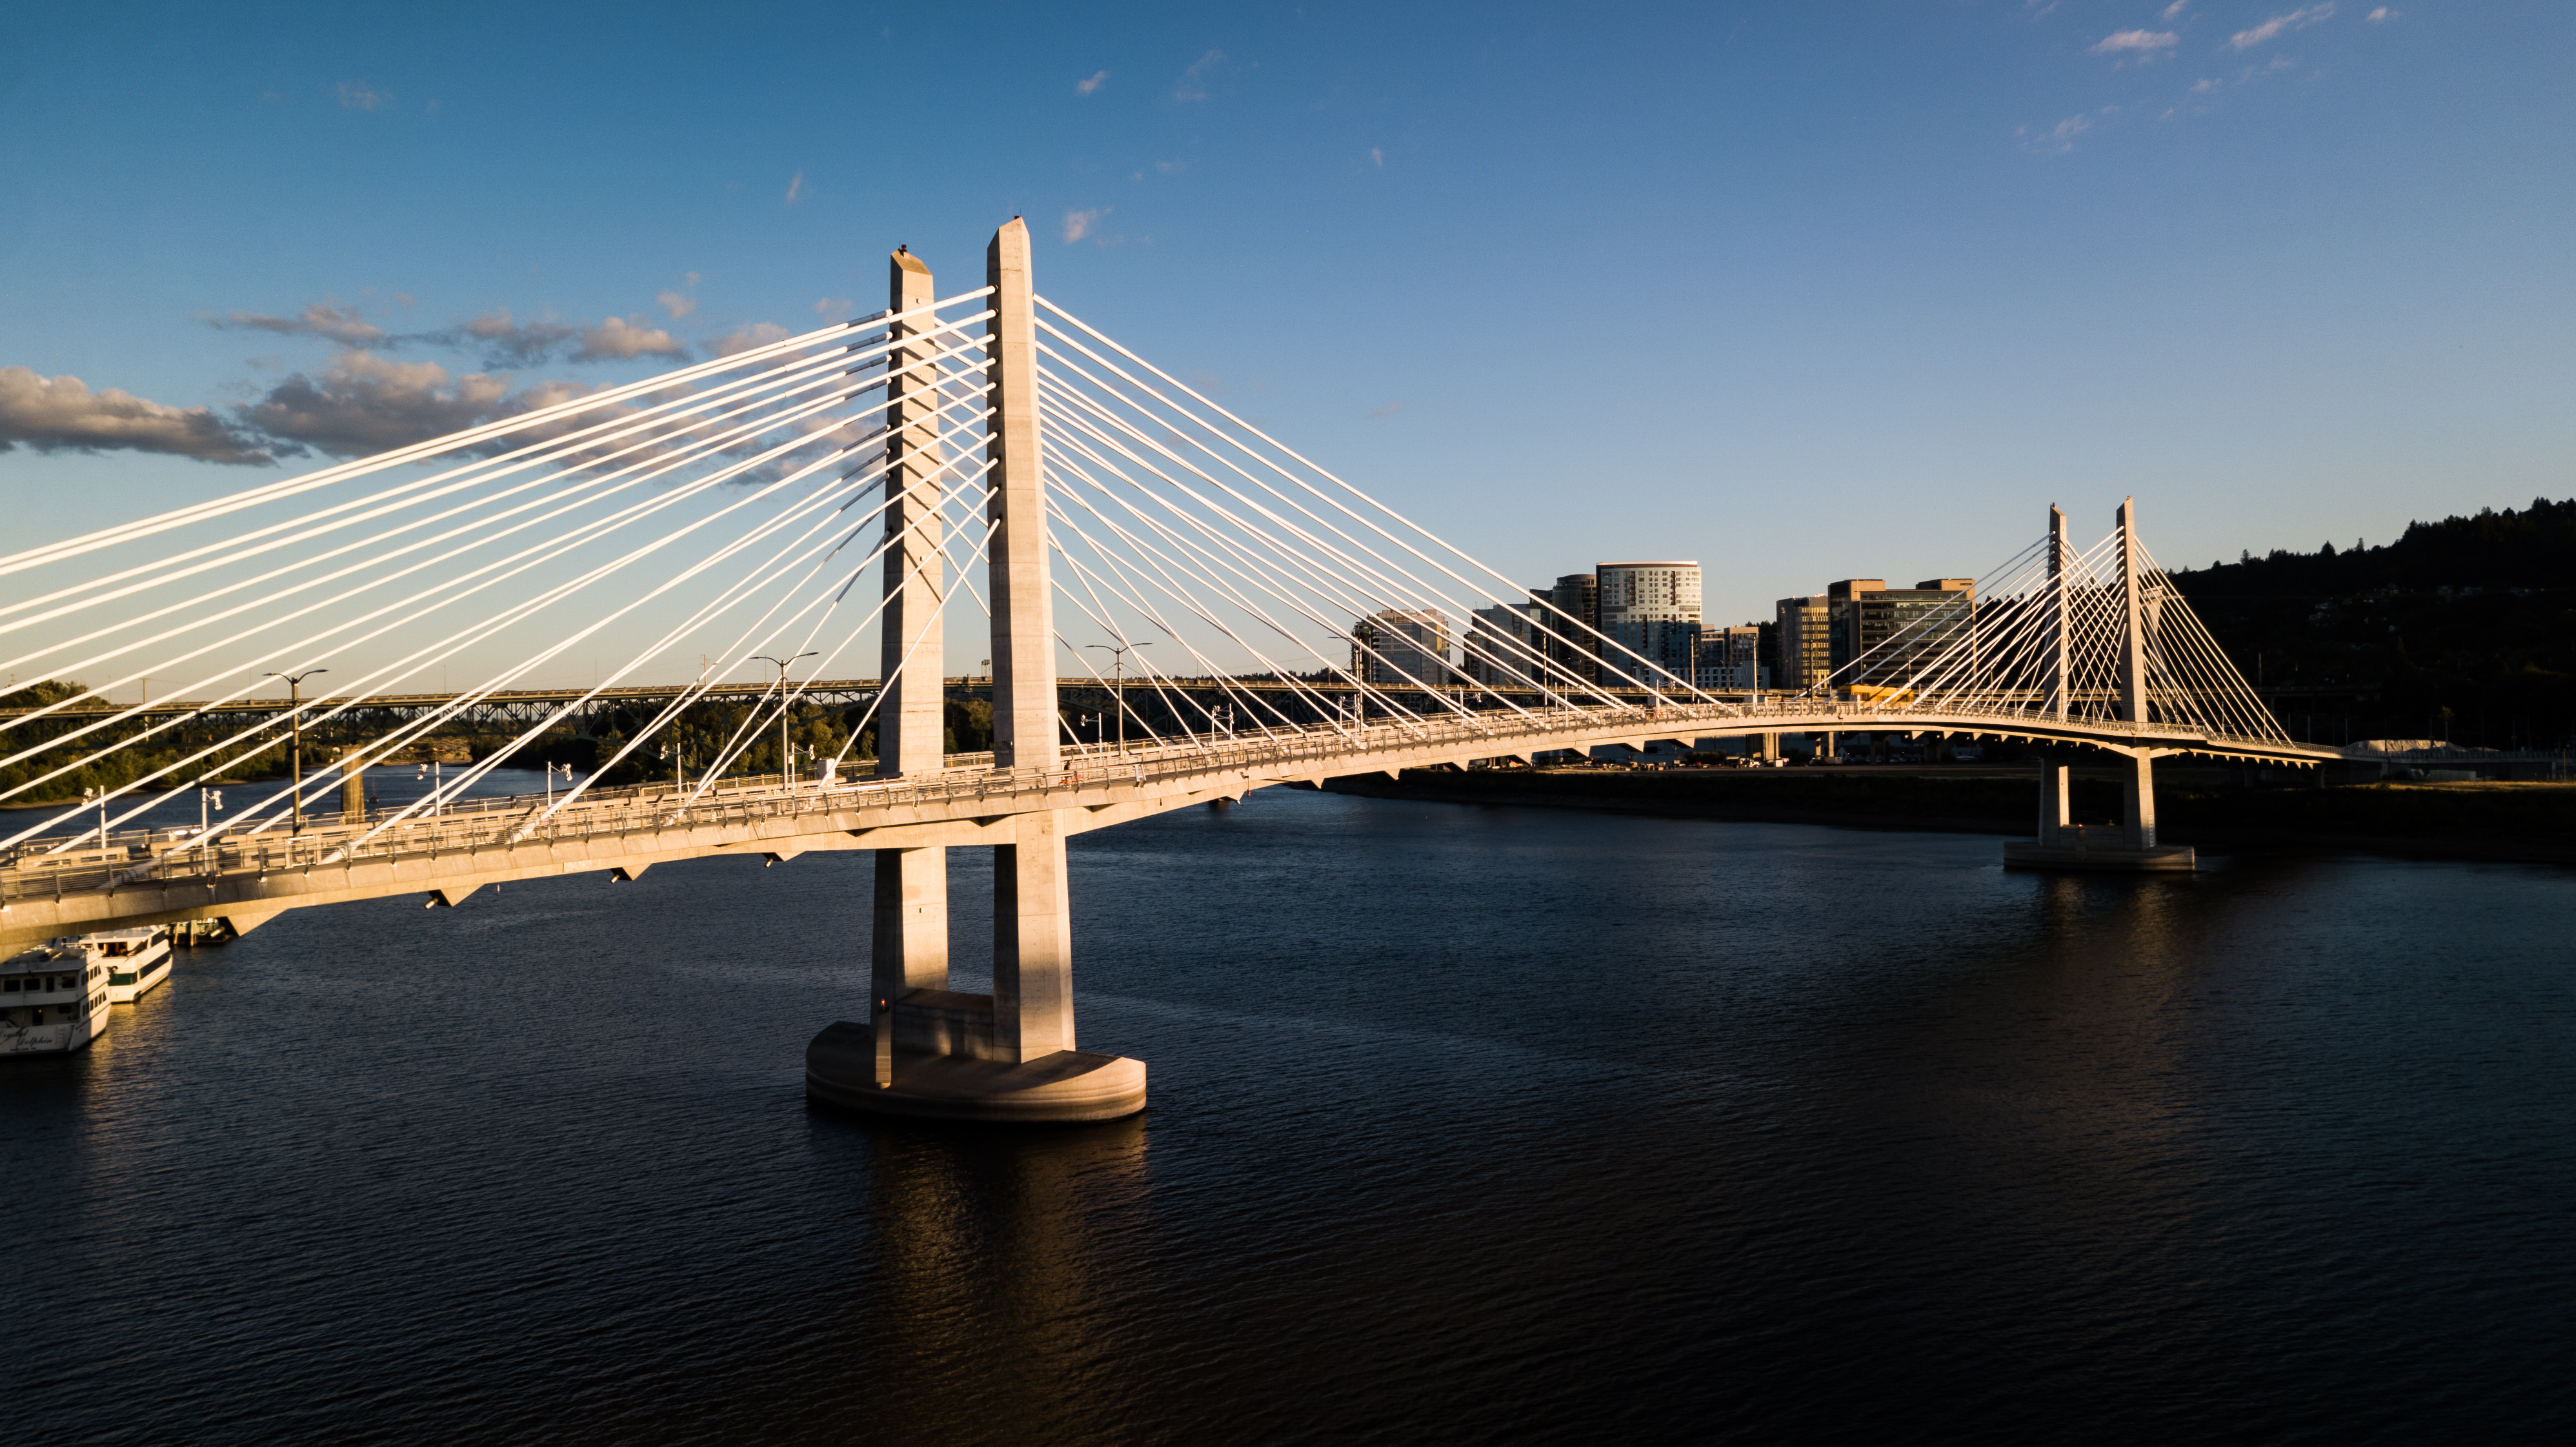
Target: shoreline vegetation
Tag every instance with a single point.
(2501, 822)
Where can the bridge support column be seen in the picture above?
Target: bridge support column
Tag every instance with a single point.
(908, 948)
(2138, 801)
(1032, 943)
(1008, 1056)
(2054, 779)
(909, 940)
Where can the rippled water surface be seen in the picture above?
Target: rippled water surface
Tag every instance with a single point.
(1468, 1125)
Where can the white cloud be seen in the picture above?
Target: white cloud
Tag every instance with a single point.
(61, 414)
(830, 307)
(2174, 10)
(2299, 19)
(1079, 224)
(1193, 82)
(318, 319)
(1389, 410)
(2146, 42)
(796, 188)
(2057, 140)
(364, 404)
(743, 339)
(678, 304)
(357, 95)
(508, 343)
(618, 339)
(1378, 155)
(1087, 87)
(2383, 13)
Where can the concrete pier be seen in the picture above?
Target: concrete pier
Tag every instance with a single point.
(1062, 1087)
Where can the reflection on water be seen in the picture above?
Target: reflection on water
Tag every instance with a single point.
(1468, 1124)
(995, 1251)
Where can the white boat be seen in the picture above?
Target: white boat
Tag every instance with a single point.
(137, 960)
(53, 999)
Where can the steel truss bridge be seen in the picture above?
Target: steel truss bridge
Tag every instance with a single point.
(1297, 628)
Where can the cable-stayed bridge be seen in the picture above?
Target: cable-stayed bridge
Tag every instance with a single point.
(983, 469)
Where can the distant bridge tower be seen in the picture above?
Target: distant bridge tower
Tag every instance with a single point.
(2061, 845)
(928, 1050)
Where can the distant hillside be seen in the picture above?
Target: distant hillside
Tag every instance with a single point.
(2463, 628)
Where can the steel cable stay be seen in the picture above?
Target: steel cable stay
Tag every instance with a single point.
(1204, 611)
(1515, 597)
(1099, 611)
(726, 439)
(1235, 441)
(1277, 548)
(867, 479)
(1324, 577)
(1252, 609)
(718, 440)
(402, 735)
(455, 441)
(641, 509)
(1232, 544)
(554, 594)
(755, 719)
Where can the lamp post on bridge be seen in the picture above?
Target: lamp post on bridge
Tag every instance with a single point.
(1118, 672)
(786, 755)
(295, 744)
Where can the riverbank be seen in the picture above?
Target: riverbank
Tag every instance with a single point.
(2523, 823)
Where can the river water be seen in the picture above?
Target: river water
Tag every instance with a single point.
(1469, 1124)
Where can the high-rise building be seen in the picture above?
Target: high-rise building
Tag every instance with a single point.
(1575, 650)
(1803, 639)
(1657, 653)
(1892, 634)
(1402, 648)
(1649, 619)
(1730, 659)
(1505, 646)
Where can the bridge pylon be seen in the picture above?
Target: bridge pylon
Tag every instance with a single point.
(2060, 843)
(928, 1050)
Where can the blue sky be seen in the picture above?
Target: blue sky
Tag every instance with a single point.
(1805, 292)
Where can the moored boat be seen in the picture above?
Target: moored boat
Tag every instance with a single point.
(53, 999)
(137, 960)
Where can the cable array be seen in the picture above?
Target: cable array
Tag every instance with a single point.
(2046, 638)
(740, 479)
(1180, 527)
(741, 509)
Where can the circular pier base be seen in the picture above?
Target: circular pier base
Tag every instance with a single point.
(1065, 1087)
(2164, 858)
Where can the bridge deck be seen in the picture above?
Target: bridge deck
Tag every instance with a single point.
(59, 886)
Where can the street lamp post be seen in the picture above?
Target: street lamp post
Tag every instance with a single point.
(295, 743)
(1118, 670)
(786, 755)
